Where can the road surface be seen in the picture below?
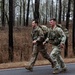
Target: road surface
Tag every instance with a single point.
(38, 70)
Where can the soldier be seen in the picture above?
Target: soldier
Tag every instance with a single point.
(38, 38)
(57, 38)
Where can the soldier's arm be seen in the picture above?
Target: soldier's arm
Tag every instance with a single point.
(40, 35)
(63, 36)
(47, 39)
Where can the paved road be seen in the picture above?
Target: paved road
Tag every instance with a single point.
(38, 70)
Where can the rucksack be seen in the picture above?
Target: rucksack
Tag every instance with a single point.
(64, 29)
(45, 30)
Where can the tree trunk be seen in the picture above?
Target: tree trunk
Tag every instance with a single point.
(36, 13)
(27, 18)
(24, 12)
(33, 7)
(67, 26)
(6, 15)
(73, 34)
(63, 13)
(20, 11)
(60, 10)
(46, 10)
(51, 9)
(11, 23)
(14, 12)
(56, 9)
(3, 12)
(64, 10)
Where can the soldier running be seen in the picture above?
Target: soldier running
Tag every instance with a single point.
(57, 38)
(38, 39)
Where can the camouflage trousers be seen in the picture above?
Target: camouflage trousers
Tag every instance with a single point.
(56, 58)
(36, 49)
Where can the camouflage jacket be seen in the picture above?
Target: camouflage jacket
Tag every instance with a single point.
(37, 34)
(56, 36)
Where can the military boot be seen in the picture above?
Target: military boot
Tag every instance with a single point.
(29, 68)
(56, 71)
(64, 69)
(52, 64)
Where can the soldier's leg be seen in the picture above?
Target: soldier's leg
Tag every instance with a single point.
(33, 58)
(60, 59)
(54, 55)
(61, 63)
(45, 54)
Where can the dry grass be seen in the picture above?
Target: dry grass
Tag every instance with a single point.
(25, 63)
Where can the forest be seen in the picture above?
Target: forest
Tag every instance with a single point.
(15, 26)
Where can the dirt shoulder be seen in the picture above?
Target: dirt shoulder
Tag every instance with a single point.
(38, 63)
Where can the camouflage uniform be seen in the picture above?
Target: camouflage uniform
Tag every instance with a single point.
(37, 34)
(56, 36)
